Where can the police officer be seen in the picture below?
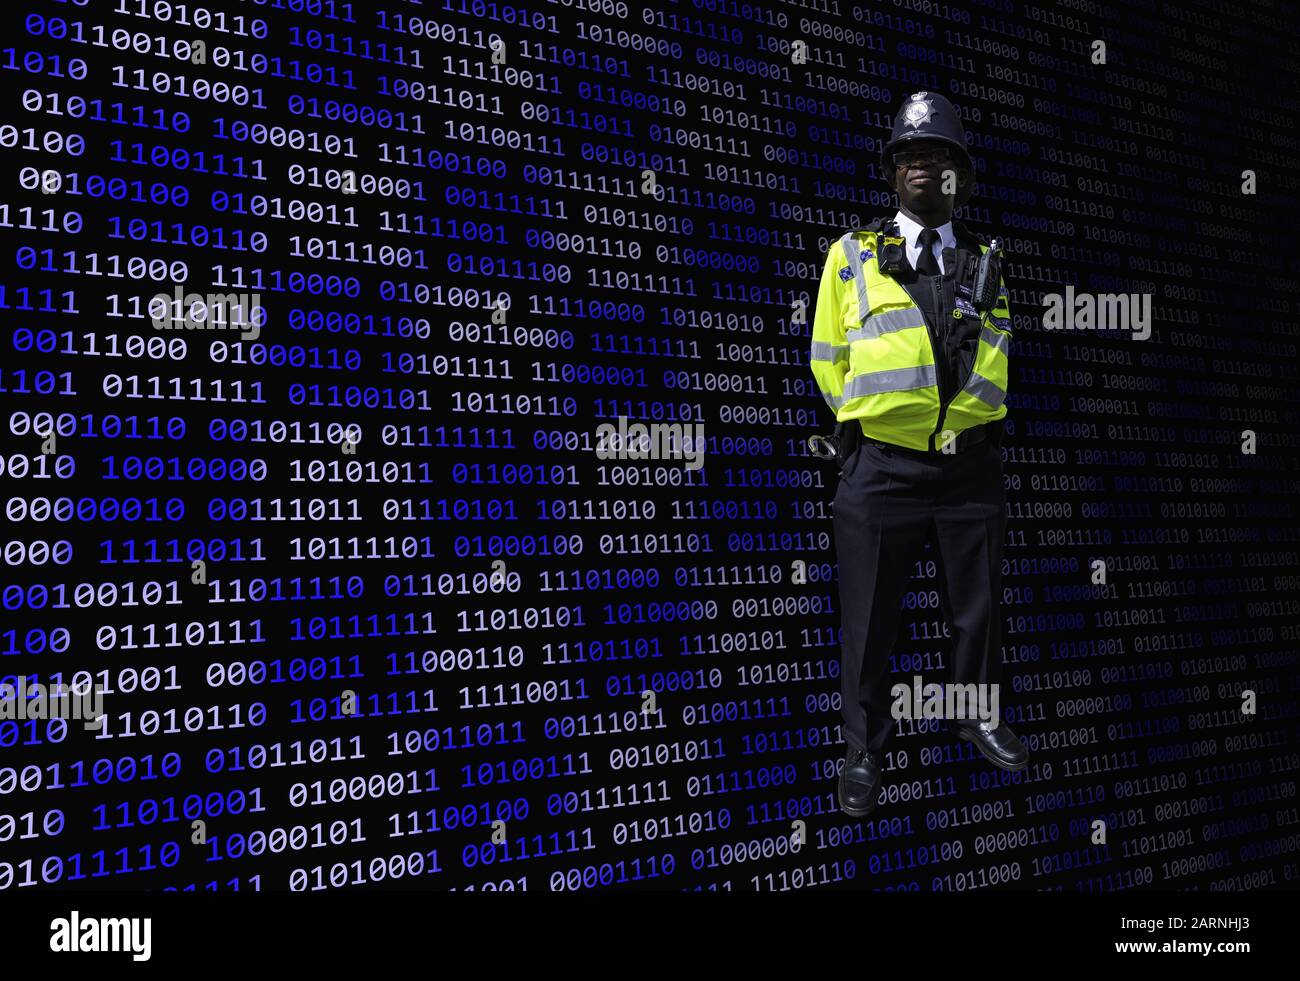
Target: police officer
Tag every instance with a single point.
(911, 336)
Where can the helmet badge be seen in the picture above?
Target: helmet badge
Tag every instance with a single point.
(917, 111)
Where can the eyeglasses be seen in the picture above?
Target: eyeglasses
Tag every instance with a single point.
(929, 154)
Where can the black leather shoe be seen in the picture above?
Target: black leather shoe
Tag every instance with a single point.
(1000, 746)
(859, 782)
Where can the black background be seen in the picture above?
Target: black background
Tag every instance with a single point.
(1122, 177)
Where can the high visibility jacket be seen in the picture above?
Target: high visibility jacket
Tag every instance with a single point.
(874, 360)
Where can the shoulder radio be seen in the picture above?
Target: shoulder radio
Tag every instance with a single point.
(988, 276)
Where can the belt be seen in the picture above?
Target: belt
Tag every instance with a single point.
(964, 440)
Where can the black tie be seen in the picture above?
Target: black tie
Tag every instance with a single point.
(926, 263)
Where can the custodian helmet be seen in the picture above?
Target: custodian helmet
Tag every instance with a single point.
(928, 116)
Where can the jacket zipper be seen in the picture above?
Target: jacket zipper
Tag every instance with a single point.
(943, 407)
(934, 353)
(944, 403)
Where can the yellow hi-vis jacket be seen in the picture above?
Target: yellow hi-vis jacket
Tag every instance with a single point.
(874, 361)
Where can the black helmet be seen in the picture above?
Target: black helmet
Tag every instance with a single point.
(928, 116)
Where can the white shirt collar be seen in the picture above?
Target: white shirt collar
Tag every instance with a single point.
(911, 229)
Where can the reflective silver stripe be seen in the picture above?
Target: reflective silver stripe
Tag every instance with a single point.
(832, 401)
(851, 252)
(893, 380)
(985, 390)
(997, 340)
(826, 351)
(884, 323)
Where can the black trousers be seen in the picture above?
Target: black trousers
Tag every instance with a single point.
(890, 501)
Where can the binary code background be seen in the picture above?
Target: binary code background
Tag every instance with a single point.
(460, 264)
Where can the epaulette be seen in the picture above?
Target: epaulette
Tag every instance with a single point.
(881, 223)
